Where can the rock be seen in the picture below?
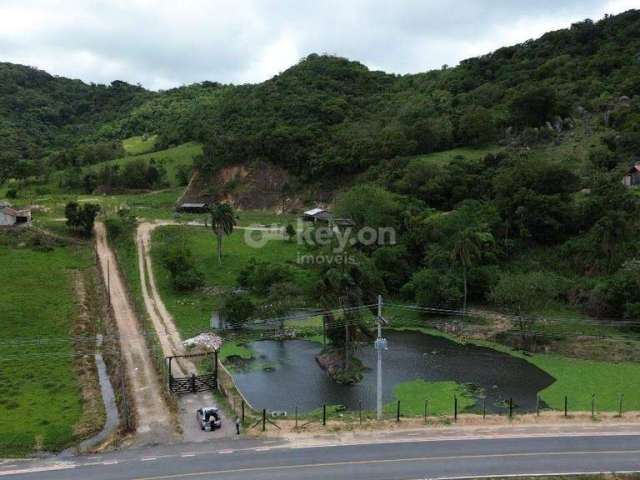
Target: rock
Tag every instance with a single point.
(205, 341)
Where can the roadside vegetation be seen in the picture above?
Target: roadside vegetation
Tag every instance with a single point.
(41, 404)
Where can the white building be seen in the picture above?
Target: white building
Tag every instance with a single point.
(10, 216)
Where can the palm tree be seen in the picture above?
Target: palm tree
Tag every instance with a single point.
(222, 223)
(467, 249)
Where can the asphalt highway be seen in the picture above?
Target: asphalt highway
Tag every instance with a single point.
(260, 460)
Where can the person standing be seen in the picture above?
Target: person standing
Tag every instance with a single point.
(237, 425)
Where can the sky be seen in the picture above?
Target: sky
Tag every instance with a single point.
(167, 43)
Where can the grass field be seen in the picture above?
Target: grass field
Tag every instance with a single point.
(170, 158)
(139, 145)
(412, 397)
(192, 311)
(446, 156)
(40, 400)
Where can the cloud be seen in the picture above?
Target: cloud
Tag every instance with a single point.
(163, 43)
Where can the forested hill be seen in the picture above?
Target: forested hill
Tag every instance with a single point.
(328, 116)
(40, 113)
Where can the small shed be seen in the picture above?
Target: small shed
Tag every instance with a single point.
(10, 216)
(193, 208)
(317, 215)
(632, 177)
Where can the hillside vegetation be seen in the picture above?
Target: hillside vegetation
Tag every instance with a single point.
(501, 176)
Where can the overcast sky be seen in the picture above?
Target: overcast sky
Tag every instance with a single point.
(166, 43)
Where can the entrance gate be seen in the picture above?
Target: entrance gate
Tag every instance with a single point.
(194, 383)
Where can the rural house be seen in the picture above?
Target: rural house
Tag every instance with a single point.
(10, 216)
(316, 215)
(193, 208)
(632, 177)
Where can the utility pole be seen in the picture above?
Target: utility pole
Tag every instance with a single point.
(381, 344)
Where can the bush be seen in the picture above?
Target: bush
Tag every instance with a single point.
(178, 259)
(259, 276)
(432, 288)
(237, 309)
(527, 293)
(12, 193)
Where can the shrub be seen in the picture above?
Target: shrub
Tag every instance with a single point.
(178, 259)
(259, 276)
(432, 288)
(237, 309)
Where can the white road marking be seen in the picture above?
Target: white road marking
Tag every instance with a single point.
(148, 459)
(52, 468)
(185, 455)
(228, 450)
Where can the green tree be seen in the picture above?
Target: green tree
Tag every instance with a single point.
(526, 295)
(81, 218)
(237, 309)
(290, 232)
(467, 249)
(222, 222)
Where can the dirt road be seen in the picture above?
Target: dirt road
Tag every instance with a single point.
(171, 342)
(154, 423)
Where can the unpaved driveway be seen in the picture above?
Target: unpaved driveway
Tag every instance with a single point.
(171, 342)
(154, 423)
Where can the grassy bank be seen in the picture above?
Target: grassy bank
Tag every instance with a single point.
(40, 399)
(192, 310)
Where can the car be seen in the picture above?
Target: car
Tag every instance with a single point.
(208, 418)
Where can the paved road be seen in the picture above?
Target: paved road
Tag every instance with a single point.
(260, 460)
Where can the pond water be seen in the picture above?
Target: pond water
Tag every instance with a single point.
(285, 375)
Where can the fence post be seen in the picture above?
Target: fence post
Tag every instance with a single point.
(242, 407)
(324, 415)
(398, 412)
(593, 405)
(484, 408)
(566, 406)
(620, 406)
(264, 419)
(537, 405)
(426, 410)
(455, 408)
(296, 417)
(360, 411)
(510, 407)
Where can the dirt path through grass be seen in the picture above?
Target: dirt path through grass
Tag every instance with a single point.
(171, 341)
(153, 418)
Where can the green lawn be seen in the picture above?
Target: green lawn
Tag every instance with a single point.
(440, 395)
(170, 158)
(192, 311)
(40, 399)
(234, 349)
(139, 145)
(446, 156)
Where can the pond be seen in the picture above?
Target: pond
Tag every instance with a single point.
(284, 374)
